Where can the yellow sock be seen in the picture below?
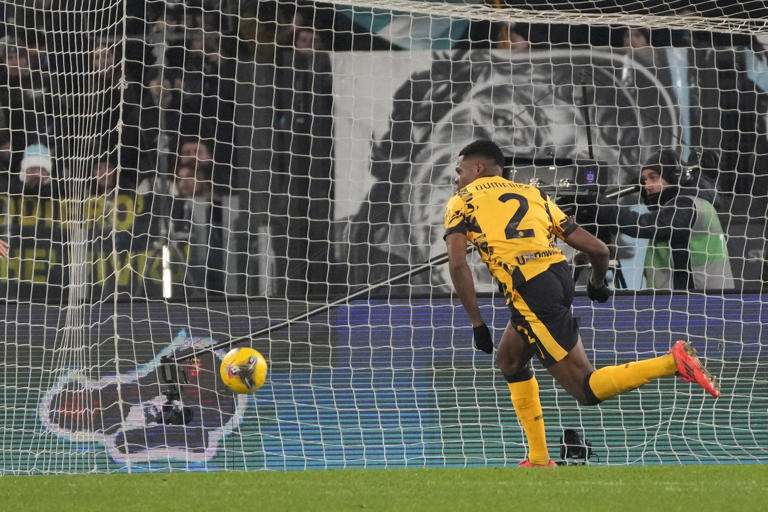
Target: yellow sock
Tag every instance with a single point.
(610, 381)
(525, 398)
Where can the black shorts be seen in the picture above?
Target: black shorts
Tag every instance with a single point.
(541, 312)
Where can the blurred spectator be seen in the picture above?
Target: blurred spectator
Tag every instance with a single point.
(512, 36)
(265, 28)
(104, 63)
(634, 37)
(35, 173)
(204, 71)
(196, 154)
(307, 39)
(257, 32)
(106, 105)
(17, 66)
(159, 121)
(36, 166)
(301, 167)
(105, 177)
(195, 222)
(192, 183)
(290, 20)
(636, 42)
(160, 89)
(5, 159)
(22, 101)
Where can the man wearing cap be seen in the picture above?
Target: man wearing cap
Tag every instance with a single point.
(686, 249)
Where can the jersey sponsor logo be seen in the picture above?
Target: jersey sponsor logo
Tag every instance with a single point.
(525, 258)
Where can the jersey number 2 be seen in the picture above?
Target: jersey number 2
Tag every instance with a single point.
(511, 230)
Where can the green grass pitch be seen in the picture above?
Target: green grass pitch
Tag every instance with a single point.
(568, 489)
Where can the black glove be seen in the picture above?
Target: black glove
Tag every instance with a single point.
(483, 339)
(598, 293)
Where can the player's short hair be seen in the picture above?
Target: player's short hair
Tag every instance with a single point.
(486, 149)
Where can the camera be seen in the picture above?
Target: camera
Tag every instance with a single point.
(574, 451)
(573, 184)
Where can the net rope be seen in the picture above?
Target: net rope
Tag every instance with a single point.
(281, 163)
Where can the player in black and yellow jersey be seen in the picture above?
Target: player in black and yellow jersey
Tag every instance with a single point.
(514, 228)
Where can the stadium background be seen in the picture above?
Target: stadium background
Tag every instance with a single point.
(387, 382)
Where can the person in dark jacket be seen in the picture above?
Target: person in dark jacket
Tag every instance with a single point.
(687, 246)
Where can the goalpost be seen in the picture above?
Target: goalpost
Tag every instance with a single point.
(179, 176)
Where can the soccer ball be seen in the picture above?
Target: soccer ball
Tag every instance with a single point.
(243, 370)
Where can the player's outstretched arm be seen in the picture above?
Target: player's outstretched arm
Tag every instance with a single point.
(3, 249)
(461, 276)
(599, 256)
(464, 284)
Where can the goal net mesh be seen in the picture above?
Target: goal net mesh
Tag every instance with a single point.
(177, 174)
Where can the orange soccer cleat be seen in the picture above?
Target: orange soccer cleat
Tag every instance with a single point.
(527, 464)
(690, 368)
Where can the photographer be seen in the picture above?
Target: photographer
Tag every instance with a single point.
(686, 249)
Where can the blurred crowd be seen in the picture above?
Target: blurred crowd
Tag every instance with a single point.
(60, 89)
(65, 111)
(86, 111)
(153, 112)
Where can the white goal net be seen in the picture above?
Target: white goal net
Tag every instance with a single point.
(176, 174)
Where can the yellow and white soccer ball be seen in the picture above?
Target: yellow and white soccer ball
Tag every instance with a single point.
(243, 370)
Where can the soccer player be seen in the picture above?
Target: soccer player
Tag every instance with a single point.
(513, 227)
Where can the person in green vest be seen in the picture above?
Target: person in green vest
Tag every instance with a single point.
(687, 247)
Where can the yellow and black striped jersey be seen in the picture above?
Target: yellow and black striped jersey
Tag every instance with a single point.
(512, 225)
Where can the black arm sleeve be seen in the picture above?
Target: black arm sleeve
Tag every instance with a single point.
(659, 224)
